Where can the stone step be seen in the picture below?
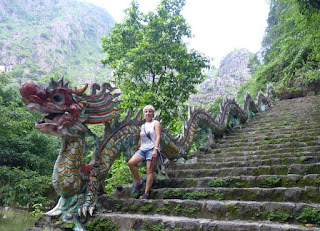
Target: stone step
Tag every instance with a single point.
(307, 194)
(241, 136)
(135, 222)
(266, 146)
(225, 153)
(279, 194)
(271, 117)
(302, 169)
(208, 209)
(262, 156)
(286, 123)
(271, 131)
(279, 139)
(262, 181)
(244, 163)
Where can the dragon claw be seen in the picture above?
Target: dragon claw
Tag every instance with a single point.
(91, 209)
(84, 210)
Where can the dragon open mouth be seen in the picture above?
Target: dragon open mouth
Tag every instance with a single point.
(51, 118)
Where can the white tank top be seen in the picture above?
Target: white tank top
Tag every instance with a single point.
(146, 143)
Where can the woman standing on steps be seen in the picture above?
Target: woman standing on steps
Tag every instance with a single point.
(148, 146)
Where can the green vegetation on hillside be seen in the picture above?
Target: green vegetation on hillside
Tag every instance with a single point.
(291, 50)
(39, 38)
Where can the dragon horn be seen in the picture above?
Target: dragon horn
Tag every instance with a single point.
(79, 91)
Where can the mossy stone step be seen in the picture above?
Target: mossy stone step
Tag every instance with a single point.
(209, 209)
(256, 141)
(218, 153)
(271, 131)
(267, 146)
(302, 169)
(262, 181)
(139, 222)
(259, 136)
(278, 194)
(307, 194)
(244, 163)
(263, 149)
(307, 157)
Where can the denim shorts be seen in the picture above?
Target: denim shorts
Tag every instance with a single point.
(147, 155)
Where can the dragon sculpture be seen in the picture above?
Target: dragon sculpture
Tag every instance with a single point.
(68, 112)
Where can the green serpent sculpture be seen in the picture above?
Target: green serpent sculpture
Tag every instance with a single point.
(68, 111)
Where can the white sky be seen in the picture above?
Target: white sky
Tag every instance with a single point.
(218, 26)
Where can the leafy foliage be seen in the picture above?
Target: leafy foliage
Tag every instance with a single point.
(24, 187)
(151, 63)
(120, 174)
(291, 49)
(26, 156)
(21, 144)
(310, 215)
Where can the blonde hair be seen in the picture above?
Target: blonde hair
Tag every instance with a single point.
(148, 107)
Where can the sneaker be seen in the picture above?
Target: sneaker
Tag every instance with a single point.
(137, 188)
(144, 196)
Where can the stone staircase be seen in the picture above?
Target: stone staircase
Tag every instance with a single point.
(262, 176)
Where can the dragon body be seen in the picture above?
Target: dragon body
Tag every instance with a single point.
(67, 113)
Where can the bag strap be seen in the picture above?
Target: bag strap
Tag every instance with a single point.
(159, 152)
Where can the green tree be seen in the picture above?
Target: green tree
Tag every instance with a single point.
(151, 63)
(21, 145)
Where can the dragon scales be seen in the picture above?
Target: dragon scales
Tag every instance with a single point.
(68, 111)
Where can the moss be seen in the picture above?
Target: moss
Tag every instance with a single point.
(158, 227)
(241, 185)
(220, 182)
(281, 171)
(101, 224)
(303, 182)
(130, 208)
(262, 171)
(146, 207)
(256, 216)
(272, 181)
(165, 210)
(190, 175)
(219, 196)
(247, 196)
(191, 210)
(177, 210)
(197, 195)
(233, 210)
(312, 169)
(172, 194)
(64, 225)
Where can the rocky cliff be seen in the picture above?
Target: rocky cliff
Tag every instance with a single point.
(232, 72)
(40, 37)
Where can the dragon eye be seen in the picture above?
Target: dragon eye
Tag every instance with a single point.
(58, 98)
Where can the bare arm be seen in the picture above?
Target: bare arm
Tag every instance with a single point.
(157, 128)
(139, 144)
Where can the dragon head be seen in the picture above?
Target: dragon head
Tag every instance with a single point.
(67, 111)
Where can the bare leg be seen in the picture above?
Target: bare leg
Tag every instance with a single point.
(132, 163)
(150, 176)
